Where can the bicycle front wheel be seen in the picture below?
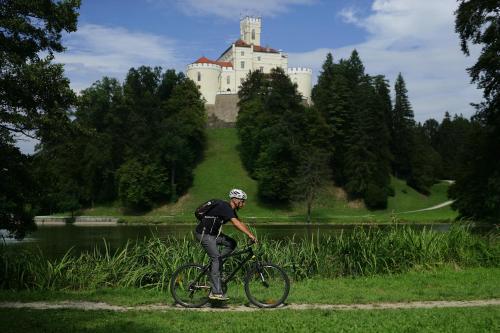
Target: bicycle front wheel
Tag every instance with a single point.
(266, 285)
(190, 286)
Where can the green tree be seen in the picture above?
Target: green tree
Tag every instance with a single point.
(154, 120)
(367, 155)
(313, 175)
(332, 97)
(425, 162)
(450, 141)
(477, 187)
(100, 113)
(140, 185)
(431, 131)
(16, 188)
(402, 129)
(34, 94)
(357, 109)
(181, 137)
(276, 131)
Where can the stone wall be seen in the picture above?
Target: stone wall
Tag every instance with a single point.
(224, 112)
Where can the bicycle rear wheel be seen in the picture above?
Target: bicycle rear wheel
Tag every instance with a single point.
(266, 285)
(190, 286)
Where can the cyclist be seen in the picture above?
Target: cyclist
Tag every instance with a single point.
(208, 232)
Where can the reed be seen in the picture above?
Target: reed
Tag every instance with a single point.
(149, 263)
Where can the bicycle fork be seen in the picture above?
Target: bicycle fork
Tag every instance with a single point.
(261, 274)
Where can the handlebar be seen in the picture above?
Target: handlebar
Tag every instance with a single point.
(251, 242)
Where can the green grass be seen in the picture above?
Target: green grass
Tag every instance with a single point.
(447, 283)
(222, 170)
(150, 263)
(443, 284)
(483, 319)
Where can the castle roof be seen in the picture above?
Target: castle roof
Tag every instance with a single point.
(204, 60)
(256, 48)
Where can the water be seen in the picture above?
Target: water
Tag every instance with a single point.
(55, 240)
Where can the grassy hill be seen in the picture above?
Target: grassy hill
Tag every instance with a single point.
(222, 170)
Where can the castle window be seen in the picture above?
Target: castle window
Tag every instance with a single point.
(253, 34)
(242, 53)
(258, 58)
(228, 80)
(199, 76)
(241, 80)
(242, 64)
(262, 69)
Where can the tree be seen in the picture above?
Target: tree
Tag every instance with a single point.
(16, 188)
(34, 94)
(431, 131)
(122, 135)
(276, 133)
(450, 141)
(357, 109)
(332, 97)
(403, 123)
(140, 185)
(313, 172)
(312, 175)
(477, 187)
(425, 162)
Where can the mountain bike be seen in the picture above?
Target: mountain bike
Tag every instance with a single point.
(266, 284)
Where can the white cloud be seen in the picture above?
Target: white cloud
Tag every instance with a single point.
(94, 51)
(349, 15)
(415, 38)
(231, 9)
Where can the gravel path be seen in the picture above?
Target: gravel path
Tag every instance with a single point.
(100, 306)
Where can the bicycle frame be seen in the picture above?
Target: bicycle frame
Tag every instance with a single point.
(242, 263)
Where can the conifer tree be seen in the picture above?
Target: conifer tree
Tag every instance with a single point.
(402, 129)
(367, 157)
(332, 98)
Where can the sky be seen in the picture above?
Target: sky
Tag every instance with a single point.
(415, 38)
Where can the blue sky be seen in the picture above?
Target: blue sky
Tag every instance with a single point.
(414, 37)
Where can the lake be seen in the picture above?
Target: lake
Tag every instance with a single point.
(56, 240)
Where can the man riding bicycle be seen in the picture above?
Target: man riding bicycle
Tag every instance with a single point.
(208, 232)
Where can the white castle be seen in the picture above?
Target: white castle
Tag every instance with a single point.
(225, 75)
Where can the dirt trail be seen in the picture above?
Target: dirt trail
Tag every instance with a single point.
(100, 306)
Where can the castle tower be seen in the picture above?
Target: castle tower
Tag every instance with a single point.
(250, 29)
(302, 77)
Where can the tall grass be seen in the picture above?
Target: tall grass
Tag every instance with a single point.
(150, 263)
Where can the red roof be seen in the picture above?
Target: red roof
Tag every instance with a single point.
(258, 48)
(204, 60)
(241, 43)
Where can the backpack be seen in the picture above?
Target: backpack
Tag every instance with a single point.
(202, 210)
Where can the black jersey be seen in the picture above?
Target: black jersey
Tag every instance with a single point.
(215, 218)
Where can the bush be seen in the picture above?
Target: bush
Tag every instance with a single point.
(141, 185)
(375, 197)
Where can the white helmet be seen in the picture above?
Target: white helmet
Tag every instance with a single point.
(238, 194)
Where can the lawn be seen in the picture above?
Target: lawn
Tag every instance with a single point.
(443, 284)
(222, 170)
(446, 283)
